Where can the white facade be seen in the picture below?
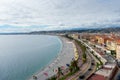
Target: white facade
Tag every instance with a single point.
(118, 52)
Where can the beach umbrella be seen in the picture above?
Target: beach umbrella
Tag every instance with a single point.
(62, 67)
(56, 70)
(46, 74)
(72, 58)
(68, 65)
(53, 70)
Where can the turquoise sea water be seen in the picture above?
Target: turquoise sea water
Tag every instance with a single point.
(23, 55)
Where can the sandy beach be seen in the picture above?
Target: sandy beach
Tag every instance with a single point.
(64, 57)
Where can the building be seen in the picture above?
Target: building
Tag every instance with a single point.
(75, 36)
(101, 39)
(118, 50)
(111, 44)
(107, 72)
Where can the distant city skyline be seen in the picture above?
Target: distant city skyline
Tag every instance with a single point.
(35, 15)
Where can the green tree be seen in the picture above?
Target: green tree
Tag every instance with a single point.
(84, 57)
(59, 72)
(73, 66)
(53, 78)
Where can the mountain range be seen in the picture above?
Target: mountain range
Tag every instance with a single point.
(80, 30)
(73, 30)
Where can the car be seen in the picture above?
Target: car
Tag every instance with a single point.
(89, 69)
(81, 77)
(92, 63)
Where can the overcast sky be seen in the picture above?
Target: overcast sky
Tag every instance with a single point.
(31, 15)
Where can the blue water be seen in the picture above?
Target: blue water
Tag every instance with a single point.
(23, 55)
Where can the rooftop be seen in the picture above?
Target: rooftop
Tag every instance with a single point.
(104, 72)
(97, 77)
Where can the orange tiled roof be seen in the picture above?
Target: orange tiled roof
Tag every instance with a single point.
(118, 41)
(110, 39)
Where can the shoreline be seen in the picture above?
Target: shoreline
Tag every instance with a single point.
(64, 56)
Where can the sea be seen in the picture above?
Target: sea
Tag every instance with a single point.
(21, 56)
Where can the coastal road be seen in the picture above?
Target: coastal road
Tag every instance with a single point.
(86, 69)
(108, 57)
(91, 69)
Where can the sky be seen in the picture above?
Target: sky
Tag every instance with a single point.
(37, 15)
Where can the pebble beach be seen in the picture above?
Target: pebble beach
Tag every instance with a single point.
(64, 57)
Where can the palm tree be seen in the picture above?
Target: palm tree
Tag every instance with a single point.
(53, 78)
(84, 57)
(73, 67)
(59, 73)
(75, 64)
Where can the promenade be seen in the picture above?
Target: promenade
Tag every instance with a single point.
(86, 69)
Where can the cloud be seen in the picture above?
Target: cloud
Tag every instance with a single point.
(53, 13)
